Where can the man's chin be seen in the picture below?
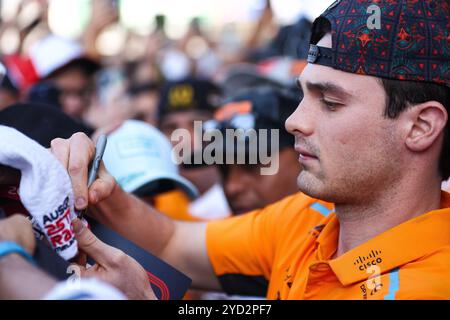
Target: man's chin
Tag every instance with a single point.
(310, 185)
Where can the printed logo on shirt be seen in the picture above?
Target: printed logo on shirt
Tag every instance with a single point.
(373, 283)
(288, 279)
(316, 230)
(365, 291)
(365, 262)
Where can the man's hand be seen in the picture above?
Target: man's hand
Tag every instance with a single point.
(75, 154)
(112, 265)
(182, 245)
(18, 229)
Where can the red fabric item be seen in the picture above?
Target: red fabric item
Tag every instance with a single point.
(21, 70)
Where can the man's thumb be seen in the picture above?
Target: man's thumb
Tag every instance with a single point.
(89, 243)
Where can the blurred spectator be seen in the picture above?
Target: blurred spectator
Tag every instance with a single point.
(103, 14)
(45, 92)
(65, 63)
(291, 41)
(142, 71)
(200, 49)
(21, 71)
(143, 89)
(257, 109)
(182, 103)
(139, 158)
(242, 77)
(175, 64)
(41, 123)
(158, 39)
(144, 99)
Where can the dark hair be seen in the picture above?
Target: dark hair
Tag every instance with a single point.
(400, 95)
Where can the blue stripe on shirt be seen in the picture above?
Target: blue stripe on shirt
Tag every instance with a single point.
(394, 284)
(321, 208)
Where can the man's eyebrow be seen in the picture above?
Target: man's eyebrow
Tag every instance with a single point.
(328, 87)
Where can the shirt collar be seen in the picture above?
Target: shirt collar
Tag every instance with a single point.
(327, 241)
(404, 243)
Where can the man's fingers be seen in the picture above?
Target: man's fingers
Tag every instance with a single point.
(102, 253)
(60, 149)
(93, 272)
(76, 154)
(80, 258)
(81, 152)
(102, 187)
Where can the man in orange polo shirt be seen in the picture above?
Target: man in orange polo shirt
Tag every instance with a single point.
(372, 134)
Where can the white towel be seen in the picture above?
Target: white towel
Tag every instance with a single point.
(45, 189)
(84, 289)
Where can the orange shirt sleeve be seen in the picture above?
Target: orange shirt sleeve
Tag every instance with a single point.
(242, 249)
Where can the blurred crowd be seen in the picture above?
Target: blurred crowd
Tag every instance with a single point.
(172, 84)
(55, 86)
(159, 107)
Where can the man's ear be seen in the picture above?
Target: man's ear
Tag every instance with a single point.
(426, 122)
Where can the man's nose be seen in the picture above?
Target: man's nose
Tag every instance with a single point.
(301, 121)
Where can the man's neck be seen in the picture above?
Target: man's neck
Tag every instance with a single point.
(362, 222)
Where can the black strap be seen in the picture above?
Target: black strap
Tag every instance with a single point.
(320, 55)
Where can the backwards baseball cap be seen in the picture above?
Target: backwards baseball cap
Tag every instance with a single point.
(187, 95)
(394, 39)
(53, 53)
(139, 157)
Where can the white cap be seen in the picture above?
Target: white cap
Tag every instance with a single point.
(138, 155)
(54, 52)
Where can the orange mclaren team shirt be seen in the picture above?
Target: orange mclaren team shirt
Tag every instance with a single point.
(285, 252)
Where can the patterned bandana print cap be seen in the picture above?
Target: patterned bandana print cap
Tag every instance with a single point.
(395, 39)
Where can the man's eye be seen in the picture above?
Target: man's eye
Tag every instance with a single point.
(330, 105)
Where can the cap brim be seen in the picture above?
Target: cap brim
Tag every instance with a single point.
(90, 65)
(145, 185)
